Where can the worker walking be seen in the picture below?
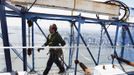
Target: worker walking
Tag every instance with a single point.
(54, 39)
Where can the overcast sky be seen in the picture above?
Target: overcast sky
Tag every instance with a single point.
(130, 3)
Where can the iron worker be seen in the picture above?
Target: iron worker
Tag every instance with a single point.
(54, 39)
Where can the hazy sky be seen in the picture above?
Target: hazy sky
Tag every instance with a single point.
(130, 3)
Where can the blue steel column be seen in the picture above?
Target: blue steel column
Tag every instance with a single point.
(78, 41)
(100, 45)
(5, 36)
(33, 61)
(115, 41)
(130, 36)
(24, 42)
(71, 42)
(123, 40)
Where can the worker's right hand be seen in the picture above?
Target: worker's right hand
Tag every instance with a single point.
(39, 49)
(29, 51)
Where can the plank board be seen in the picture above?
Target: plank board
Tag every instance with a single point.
(108, 70)
(77, 5)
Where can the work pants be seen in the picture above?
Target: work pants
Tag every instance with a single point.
(53, 58)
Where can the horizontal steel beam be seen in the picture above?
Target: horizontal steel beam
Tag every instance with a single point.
(13, 8)
(30, 15)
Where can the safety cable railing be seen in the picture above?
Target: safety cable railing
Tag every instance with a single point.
(66, 47)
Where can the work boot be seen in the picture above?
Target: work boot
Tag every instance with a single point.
(61, 71)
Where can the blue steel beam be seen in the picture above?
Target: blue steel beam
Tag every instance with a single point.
(86, 46)
(33, 55)
(13, 16)
(130, 36)
(71, 43)
(110, 40)
(100, 43)
(69, 18)
(24, 43)
(30, 15)
(13, 8)
(42, 15)
(115, 43)
(103, 25)
(5, 37)
(123, 40)
(40, 29)
(78, 42)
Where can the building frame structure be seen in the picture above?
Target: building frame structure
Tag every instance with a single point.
(25, 15)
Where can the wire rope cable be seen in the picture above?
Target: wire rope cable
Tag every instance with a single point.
(123, 6)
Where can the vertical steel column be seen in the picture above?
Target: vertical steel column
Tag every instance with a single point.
(115, 43)
(71, 42)
(24, 42)
(130, 36)
(100, 45)
(33, 61)
(78, 42)
(115, 40)
(17, 53)
(123, 40)
(5, 35)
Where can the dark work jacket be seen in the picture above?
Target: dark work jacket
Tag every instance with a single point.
(55, 40)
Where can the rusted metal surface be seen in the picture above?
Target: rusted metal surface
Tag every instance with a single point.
(80, 5)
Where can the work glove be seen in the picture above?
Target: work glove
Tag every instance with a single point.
(39, 49)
